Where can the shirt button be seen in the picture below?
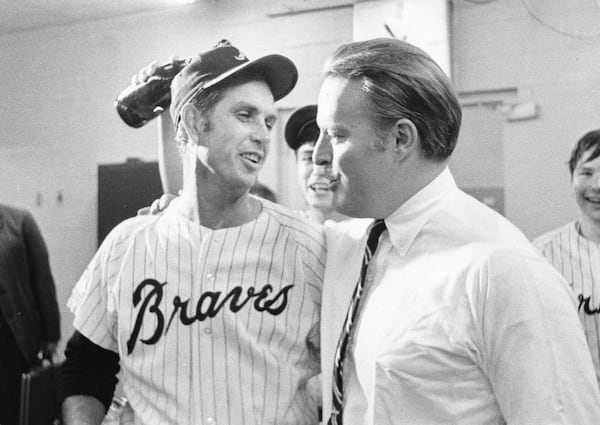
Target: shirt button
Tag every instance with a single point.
(210, 277)
(207, 331)
(211, 421)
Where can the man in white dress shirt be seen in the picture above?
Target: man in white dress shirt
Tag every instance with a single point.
(461, 321)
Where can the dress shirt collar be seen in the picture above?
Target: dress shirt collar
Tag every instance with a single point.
(406, 222)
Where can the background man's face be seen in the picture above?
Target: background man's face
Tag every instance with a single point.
(313, 180)
(586, 187)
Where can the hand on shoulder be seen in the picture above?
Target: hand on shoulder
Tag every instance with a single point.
(158, 205)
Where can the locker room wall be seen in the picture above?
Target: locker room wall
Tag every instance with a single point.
(57, 121)
(548, 51)
(123, 189)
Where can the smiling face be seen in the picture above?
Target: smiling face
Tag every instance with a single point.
(313, 180)
(361, 173)
(234, 140)
(586, 188)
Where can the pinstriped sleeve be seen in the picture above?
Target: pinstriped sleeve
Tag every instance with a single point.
(94, 311)
(315, 252)
(543, 244)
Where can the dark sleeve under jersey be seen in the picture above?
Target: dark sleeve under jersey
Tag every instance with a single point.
(89, 370)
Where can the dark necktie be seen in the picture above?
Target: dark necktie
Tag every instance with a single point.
(340, 353)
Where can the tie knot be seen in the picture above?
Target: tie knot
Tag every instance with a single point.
(376, 231)
(378, 226)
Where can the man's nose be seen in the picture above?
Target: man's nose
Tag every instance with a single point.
(596, 181)
(262, 134)
(323, 153)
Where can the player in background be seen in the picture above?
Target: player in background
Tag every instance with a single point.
(211, 307)
(574, 248)
(301, 134)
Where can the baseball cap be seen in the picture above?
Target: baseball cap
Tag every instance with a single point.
(221, 62)
(302, 127)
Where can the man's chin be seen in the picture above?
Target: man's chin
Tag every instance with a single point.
(320, 197)
(350, 208)
(341, 205)
(593, 216)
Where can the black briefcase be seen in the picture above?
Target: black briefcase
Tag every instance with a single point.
(39, 396)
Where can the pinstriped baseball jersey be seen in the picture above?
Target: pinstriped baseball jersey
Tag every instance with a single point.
(578, 260)
(211, 326)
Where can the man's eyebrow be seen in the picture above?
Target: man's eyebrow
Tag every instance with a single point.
(272, 117)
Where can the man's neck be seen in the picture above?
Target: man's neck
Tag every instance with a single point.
(211, 204)
(590, 230)
(219, 213)
(216, 207)
(319, 216)
(421, 175)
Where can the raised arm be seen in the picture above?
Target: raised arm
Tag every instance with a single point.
(169, 162)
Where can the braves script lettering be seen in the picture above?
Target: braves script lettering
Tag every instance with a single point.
(584, 302)
(208, 306)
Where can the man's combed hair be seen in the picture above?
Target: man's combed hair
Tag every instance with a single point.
(590, 140)
(402, 81)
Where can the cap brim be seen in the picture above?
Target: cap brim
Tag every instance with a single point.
(299, 119)
(280, 72)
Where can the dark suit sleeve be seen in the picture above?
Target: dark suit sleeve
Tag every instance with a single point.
(89, 370)
(42, 283)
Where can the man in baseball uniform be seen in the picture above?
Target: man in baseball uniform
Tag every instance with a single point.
(574, 248)
(212, 306)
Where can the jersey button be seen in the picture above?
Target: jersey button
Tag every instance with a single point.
(211, 421)
(207, 331)
(210, 277)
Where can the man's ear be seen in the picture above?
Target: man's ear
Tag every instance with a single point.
(193, 123)
(406, 137)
